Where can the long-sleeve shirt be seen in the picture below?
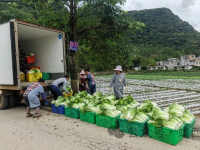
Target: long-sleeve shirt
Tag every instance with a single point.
(60, 82)
(32, 93)
(90, 78)
(118, 80)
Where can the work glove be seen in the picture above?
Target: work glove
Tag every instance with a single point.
(110, 89)
(126, 88)
(46, 103)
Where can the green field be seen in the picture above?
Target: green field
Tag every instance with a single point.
(162, 75)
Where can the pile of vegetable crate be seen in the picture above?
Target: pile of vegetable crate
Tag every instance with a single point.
(169, 125)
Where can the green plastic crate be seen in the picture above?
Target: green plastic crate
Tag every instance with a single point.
(134, 128)
(72, 112)
(88, 117)
(166, 135)
(188, 130)
(45, 75)
(107, 122)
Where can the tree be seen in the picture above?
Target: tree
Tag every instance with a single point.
(10, 11)
(99, 26)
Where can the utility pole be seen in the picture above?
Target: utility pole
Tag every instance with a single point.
(72, 37)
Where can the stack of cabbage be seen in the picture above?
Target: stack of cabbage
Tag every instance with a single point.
(172, 117)
(97, 103)
(179, 111)
(75, 101)
(147, 107)
(102, 105)
(134, 115)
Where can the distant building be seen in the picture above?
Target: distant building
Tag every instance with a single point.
(186, 62)
(197, 62)
(137, 68)
(172, 63)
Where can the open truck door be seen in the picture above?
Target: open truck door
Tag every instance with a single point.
(8, 69)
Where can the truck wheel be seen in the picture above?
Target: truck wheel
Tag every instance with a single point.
(11, 101)
(4, 101)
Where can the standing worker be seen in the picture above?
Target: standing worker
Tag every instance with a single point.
(82, 82)
(91, 82)
(61, 82)
(31, 98)
(119, 81)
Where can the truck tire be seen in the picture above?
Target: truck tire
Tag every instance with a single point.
(4, 102)
(11, 101)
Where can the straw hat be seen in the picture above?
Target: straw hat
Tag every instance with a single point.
(82, 72)
(118, 68)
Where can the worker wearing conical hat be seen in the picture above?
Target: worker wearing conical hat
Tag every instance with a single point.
(118, 81)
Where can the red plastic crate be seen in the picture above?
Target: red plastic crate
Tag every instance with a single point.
(30, 59)
(34, 67)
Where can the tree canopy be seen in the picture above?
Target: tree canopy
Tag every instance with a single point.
(164, 35)
(102, 27)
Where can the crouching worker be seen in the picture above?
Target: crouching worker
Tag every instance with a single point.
(31, 98)
(61, 82)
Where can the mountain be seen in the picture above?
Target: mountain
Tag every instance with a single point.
(164, 35)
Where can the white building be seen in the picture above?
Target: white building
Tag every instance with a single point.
(187, 62)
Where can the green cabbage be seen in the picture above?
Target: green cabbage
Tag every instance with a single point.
(156, 123)
(110, 113)
(53, 102)
(173, 123)
(147, 107)
(106, 106)
(128, 99)
(120, 108)
(75, 105)
(140, 117)
(176, 110)
(160, 115)
(187, 117)
(97, 94)
(188, 113)
(122, 116)
(130, 113)
(132, 105)
(111, 97)
(34, 70)
(69, 89)
(91, 109)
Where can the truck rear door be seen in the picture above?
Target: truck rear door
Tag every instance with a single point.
(8, 67)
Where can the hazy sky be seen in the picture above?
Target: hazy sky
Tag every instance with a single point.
(187, 10)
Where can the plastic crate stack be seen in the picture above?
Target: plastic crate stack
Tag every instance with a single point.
(163, 134)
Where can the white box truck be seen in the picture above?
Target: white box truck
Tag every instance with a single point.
(48, 46)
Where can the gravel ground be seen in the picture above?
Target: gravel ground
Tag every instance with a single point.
(57, 132)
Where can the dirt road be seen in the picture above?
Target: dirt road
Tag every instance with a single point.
(57, 132)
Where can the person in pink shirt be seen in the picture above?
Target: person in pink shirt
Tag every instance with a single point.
(82, 82)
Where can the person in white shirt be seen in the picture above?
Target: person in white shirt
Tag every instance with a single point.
(54, 87)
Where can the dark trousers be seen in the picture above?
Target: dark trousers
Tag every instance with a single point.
(92, 89)
(56, 91)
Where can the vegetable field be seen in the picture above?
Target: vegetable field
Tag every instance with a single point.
(163, 92)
